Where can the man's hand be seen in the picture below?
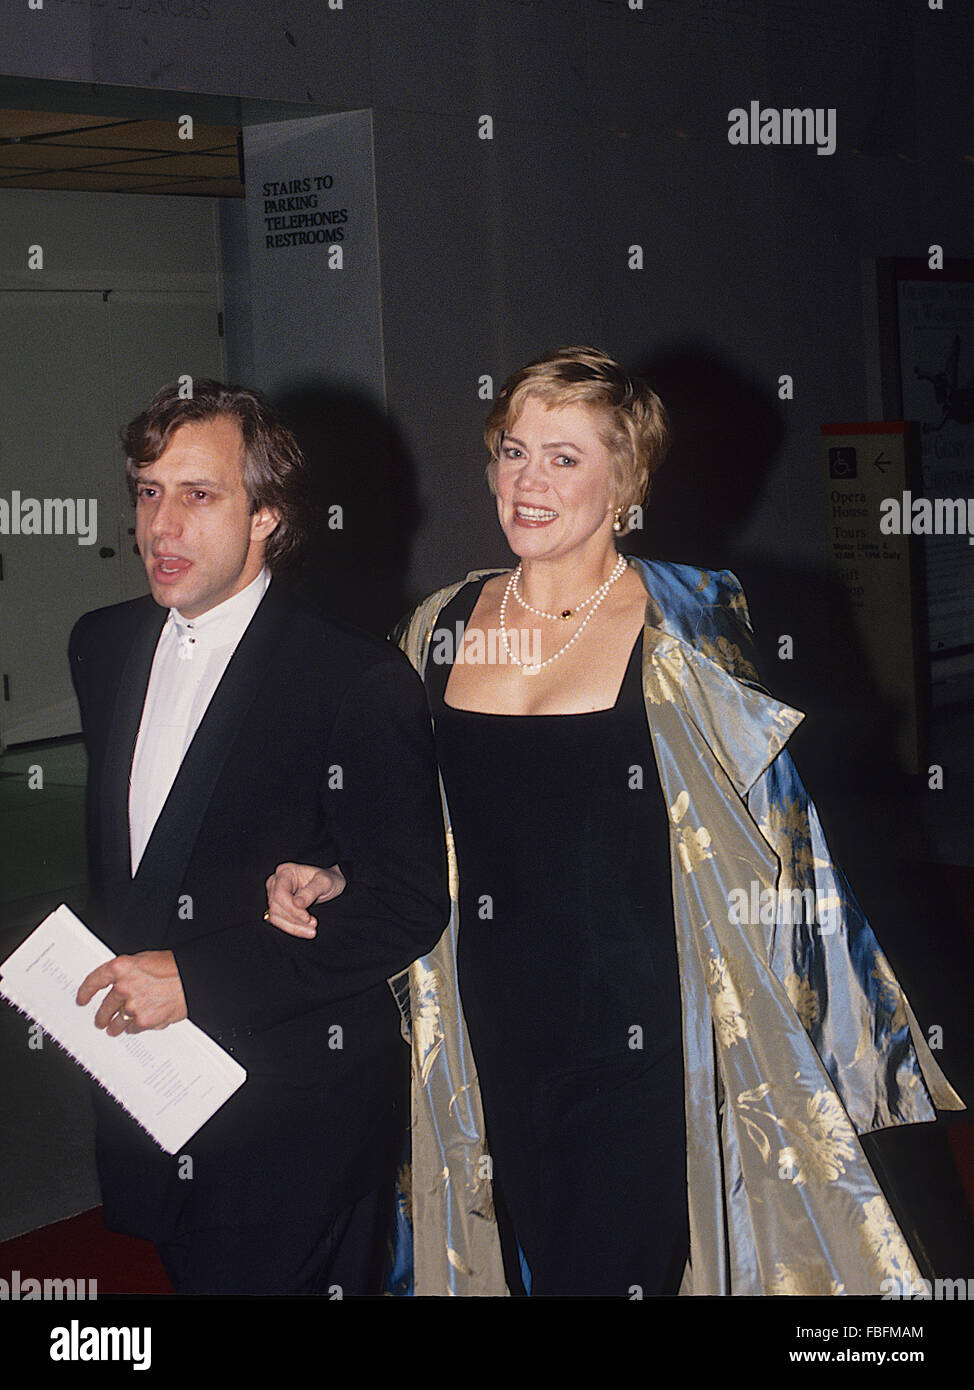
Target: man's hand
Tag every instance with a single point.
(291, 890)
(146, 992)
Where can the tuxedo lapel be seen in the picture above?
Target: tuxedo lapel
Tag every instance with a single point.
(120, 747)
(173, 839)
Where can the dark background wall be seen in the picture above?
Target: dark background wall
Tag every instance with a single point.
(609, 130)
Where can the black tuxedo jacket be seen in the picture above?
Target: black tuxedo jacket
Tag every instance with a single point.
(316, 747)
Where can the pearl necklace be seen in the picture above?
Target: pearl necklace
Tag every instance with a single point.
(620, 565)
(599, 597)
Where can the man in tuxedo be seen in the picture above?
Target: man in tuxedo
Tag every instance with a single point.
(229, 728)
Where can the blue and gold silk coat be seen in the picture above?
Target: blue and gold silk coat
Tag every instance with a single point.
(797, 1037)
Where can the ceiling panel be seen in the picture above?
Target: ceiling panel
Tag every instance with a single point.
(91, 179)
(207, 166)
(35, 156)
(155, 135)
(15, 124)
(46, 149)
(213, 188)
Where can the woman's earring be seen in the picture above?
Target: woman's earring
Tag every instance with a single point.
(617, 522)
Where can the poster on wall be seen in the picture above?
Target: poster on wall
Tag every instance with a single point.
(871, 474)
(929, 378)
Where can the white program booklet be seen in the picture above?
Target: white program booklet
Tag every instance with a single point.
(171, 1080)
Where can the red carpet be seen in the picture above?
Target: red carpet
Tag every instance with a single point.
(81, 1248)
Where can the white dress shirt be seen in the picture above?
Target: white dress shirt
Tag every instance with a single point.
(191, 657)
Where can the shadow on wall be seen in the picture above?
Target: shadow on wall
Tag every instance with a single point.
(727, 434)
(728, 431)
(367, 505)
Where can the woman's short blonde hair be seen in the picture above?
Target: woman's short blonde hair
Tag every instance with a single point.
(635, 429)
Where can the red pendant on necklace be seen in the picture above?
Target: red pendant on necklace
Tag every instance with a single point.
(566, 612)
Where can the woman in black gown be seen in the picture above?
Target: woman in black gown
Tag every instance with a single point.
(557, 972)
(572, 1004)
